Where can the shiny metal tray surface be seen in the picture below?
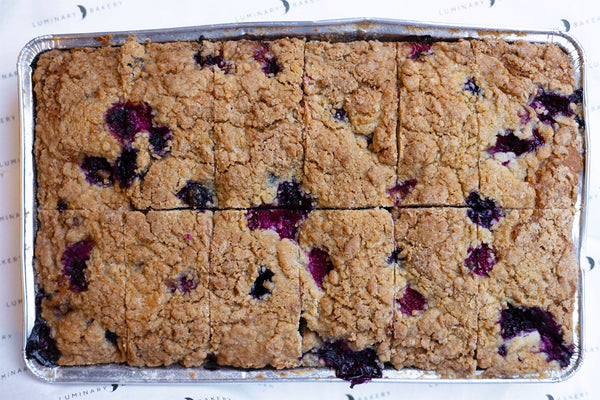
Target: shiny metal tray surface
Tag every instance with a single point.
(349, 29)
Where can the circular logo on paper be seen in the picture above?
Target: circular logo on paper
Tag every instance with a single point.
(567, 24)
(492, 2)
(550, 397)
(286, 5)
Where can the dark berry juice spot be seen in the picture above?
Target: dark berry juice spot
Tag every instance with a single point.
(319, 264)
(402, 189)
(210, 363)
(483, 211)
(270, 63)
(340, 114)
(283, 221)
(419, 50)
(289, 194)
(39, 297)
(517, 321)
(184, 284)
(74, 262)
(126, 166)
(212, 61)
(353, 366)
(510, 143)
(98, 171)
(125, 120)
(259, 290)
(396, 257)
(481, 259)
(577, 96)
(41, 346)
(472, 87)
(111, 337)
(410, 301)
(580, 122)
(502, 350)
(196, 195)
(61, 205)
(160, 137)
(549, 105)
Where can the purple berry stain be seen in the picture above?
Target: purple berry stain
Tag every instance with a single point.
(127, 119)
(283, 221)
(259, 290)
(353, 366)
(184, 284)
(111, 337)
(510, 143)
(411, 301)
(481, 259)
(548, 105)
(41, 346)
(419, 50)
(402, 189)
(472, 87)
(516, 321)
(125, 167)
(74, 261)
(502, 350)
(212, 61)
(61, 205)
(196, 195)
(98, 171)
(524, 117)
(340, 114)
(289, 194)
(160, 137)
(396, 257)
(270, 63)
(483, 211)
(319, 264)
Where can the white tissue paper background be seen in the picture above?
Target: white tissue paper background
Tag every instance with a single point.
(20, 21)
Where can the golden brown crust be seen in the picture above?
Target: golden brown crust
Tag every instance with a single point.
(434, 244)
(354, 301)
(351, 111)
(167, 296)
(260, 329)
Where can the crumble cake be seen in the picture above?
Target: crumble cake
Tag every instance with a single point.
(296, 202)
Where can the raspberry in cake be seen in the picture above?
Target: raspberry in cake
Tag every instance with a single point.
(255, 294)
(80, 265)
(351, 105)
(526, 300)
(258, 117)
(347, 286)
(529, 139)
(437, 124)
(435, 308)
(175, 145)
(167, 294)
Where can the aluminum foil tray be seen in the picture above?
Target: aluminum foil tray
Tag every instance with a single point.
(344, 30)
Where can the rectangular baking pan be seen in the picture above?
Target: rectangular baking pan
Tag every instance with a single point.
(348, 29)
